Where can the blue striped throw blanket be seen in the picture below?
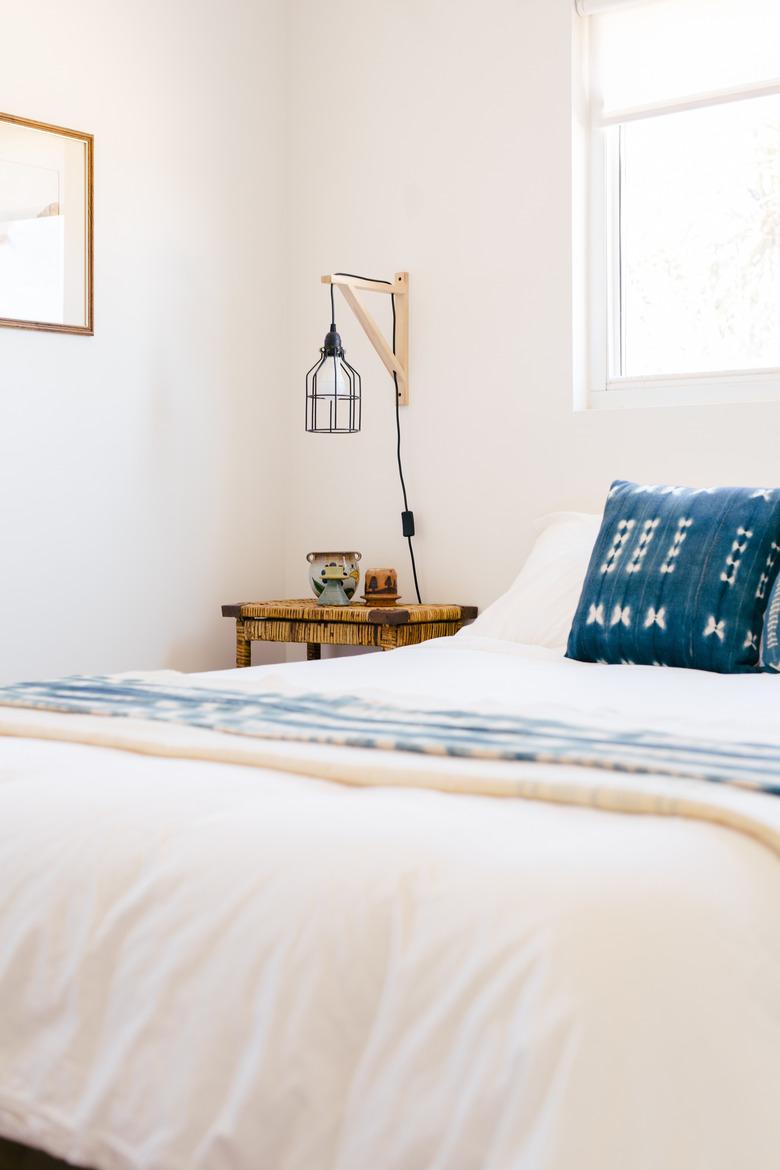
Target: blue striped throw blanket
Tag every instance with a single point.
(354, 722)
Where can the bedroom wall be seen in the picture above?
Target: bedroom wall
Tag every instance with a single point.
(429, 136)
(136, 467)
(160, 468)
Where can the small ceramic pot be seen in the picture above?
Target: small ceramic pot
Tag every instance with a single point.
(340, 566)
(381, 587)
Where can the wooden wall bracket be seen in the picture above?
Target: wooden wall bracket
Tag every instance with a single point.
(395, 363)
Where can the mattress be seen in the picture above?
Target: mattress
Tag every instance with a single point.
(284, 956)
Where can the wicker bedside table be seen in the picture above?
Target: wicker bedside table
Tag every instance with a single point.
(341, 625)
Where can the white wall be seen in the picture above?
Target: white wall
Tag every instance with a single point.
(160, 468)
(435, 136)
(140, 469)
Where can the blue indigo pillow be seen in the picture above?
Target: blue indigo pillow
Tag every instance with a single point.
(770, 642)
(680, 577)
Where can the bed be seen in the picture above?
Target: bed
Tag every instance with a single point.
(264, 953)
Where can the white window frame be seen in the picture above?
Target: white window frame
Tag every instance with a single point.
(607, 388)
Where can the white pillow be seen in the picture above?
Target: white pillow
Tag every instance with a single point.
(539, 606)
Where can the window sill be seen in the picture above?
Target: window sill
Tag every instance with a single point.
(732, 387)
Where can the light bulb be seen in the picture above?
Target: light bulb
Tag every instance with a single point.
(331, 380)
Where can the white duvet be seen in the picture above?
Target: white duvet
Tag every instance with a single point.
(205, 965)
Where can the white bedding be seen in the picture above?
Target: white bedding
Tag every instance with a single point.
(206, 965)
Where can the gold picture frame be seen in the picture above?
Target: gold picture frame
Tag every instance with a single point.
(49, 269)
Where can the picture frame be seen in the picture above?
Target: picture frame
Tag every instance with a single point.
(46, 227)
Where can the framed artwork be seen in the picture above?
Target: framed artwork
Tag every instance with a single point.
(46, 245)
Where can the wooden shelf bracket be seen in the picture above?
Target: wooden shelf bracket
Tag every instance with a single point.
(395, 363)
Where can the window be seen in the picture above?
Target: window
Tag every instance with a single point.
(684, 191)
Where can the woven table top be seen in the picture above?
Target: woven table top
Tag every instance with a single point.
(308, 609)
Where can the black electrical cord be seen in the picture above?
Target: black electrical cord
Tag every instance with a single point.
(407, 516)
(407, 519)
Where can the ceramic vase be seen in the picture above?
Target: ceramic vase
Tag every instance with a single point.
(331, 567)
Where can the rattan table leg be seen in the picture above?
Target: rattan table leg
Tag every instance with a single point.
(243, 646)
(313, 651)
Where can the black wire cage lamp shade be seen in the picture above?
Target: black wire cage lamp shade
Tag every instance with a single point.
(333, 389)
